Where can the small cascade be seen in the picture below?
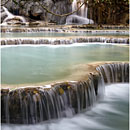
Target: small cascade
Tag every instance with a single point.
(11, 18)
(62, 41)
(42, 29)
(115, 72)
(10, 15)
(80, 17)
(30, 105)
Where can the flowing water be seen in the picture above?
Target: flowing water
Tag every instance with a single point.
(58, 34)
(81, 16)
(35, 64)
(10, 16)
(30, 105)
(110, 113)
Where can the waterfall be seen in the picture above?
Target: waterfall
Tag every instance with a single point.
(80, 17)
(30, 105)
(114, 72)
(62, 41)
(10, 17)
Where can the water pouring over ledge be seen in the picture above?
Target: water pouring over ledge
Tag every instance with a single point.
(11, 17)
(111, 113)
(80, 17)
(32, 105)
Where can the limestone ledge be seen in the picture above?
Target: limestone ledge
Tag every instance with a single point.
(17, 103)
(64, 40)
(67, 28)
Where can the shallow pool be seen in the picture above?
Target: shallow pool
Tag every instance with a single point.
(60, 34)
(35, 64)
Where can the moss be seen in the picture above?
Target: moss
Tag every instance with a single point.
(61, 91)
(69, 87)
(35, 91)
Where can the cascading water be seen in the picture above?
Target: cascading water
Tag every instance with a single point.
(33, 105)
(80, 17)
(115, 72)
(10, 16)
(54, 41)
(36, 104)
(110, 113)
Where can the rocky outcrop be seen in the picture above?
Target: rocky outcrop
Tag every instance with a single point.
(101, 12)
(33, 10)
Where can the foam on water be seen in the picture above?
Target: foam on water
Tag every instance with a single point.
(62, 45)
(55, 46)
(111, 113)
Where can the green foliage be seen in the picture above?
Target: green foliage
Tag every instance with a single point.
(61, 91)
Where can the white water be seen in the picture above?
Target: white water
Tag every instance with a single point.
(11, 16)
(111, 113)
(81, 16)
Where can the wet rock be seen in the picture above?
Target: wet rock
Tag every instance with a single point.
(100, 12)
(5, 91)
(14, 41)
(3, 16)
(33, 10)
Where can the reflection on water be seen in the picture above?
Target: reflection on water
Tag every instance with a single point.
(29, 64)
(59, 34)
(111, 113)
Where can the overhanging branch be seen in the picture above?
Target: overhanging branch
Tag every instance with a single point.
(48, 11)
(60, 15)
(4, 3)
